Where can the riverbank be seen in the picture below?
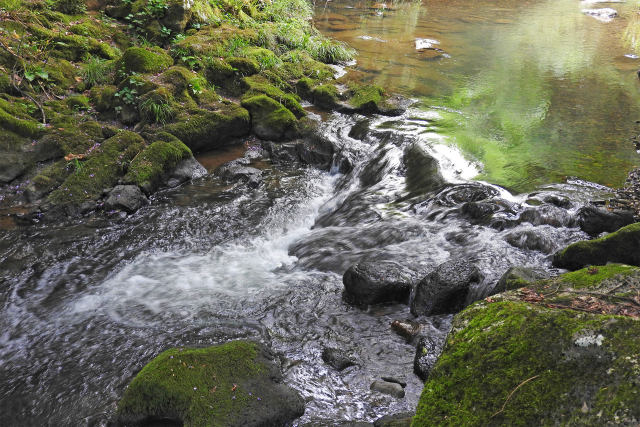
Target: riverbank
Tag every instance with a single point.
(100, 110)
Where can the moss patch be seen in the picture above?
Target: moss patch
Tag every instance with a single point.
(148, 167)
(517, 364)
(101, 170)
(141, 60)
(270, 119)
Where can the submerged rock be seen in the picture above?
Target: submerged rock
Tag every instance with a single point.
(536, 361)
(378, 282)
(621, 246)
(402, 419)
(337, 358)
(533, 240)
(445, 289)
(233, 384)
(392, 389)
(423, 173)
(427, 352)
(236, 170)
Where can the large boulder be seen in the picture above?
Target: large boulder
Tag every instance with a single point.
(233, 384)
(594, 221)
(544, 355)
(374, 282)
(445, 289)
(621, 246)
(423, 173)
(270, 119)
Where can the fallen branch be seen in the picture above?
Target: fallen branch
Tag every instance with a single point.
(512, 392)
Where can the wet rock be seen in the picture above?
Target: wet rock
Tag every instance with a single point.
(457, 194)
(402, 419)
(407, 329)
(286, 152)
(128, 198)
(561, 202)
(236, 170)
(519, 277)
(547, 215)
(622, 246)
(445, 289)
(479, 211)
(427, 352)
(317, 152)
(402, 384)
(240, 376)
(333, 423)
(378, 282)
(188, 169)
(532, 240)
(337, 358)
(385, 387)
(11, 167)
(423, 174)
(593, 220)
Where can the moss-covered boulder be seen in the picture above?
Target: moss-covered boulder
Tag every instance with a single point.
(259, 85)
(563, 351)
(621, 246)
(101, 170)
(374, 99)
(233, 384)
(270, 119)
(141, 60)
(324, 96)
(155, 161)
(244, 66)
(203, 130)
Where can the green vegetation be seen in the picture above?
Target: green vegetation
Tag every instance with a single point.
(141, 60)
(147, 168)
(96, 71)
(207, 386)
(270, 119)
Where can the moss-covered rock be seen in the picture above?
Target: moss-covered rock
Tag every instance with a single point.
(372, 99)
(553, 353)
(244, 66)
(233, 384)
(326, 96)
(25, 127)
(270, 119)
(102, 98)
(259, 85)
(178, 79)
(621, 246)
(148, 167)
(101, 170)
(203, 130)
(141, 60)
(78, 102)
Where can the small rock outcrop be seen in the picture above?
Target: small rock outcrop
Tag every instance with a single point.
(128, 198)
(337, 358)
(233, 384)
(386, 387)
(518, 277)
(445, 289)
(594, 221)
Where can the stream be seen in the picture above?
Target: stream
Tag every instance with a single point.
(527, 106)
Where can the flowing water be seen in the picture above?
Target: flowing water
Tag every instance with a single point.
(84, 305)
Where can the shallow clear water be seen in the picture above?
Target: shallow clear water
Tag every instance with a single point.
(84, 305)
(535, 90)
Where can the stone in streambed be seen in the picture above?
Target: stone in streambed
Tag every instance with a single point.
(402, 419)
(445, 289)
(532, 240)
(337, 358)
(407, 329)
(233, 384)
(594, 221)
(377, 282)
(427, 352)
(236, 170)
(392, 389)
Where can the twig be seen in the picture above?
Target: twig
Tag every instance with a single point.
(513, 391)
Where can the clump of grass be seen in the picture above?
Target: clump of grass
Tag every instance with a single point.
(156, 107)
(96, 71)
(330, 51)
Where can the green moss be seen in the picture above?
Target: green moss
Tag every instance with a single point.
(325, 96)
(206, 386)
(78, 102)
(620, 246)
(5, 84)
(244, 66)
(263, 57)
(101, 170)
(102, 98)
(219, 72)
(27, 128)
(206, 130)
(50, 178)
(481, 377)
(141, 60)
(304, 87)
(148, 167)
(62, 73)
(366, 98)
(179, 79)
(259, 85)
(590, 277)
(270, 119)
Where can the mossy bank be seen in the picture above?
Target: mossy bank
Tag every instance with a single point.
(121, 94)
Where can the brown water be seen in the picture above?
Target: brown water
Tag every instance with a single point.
(534, 90)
